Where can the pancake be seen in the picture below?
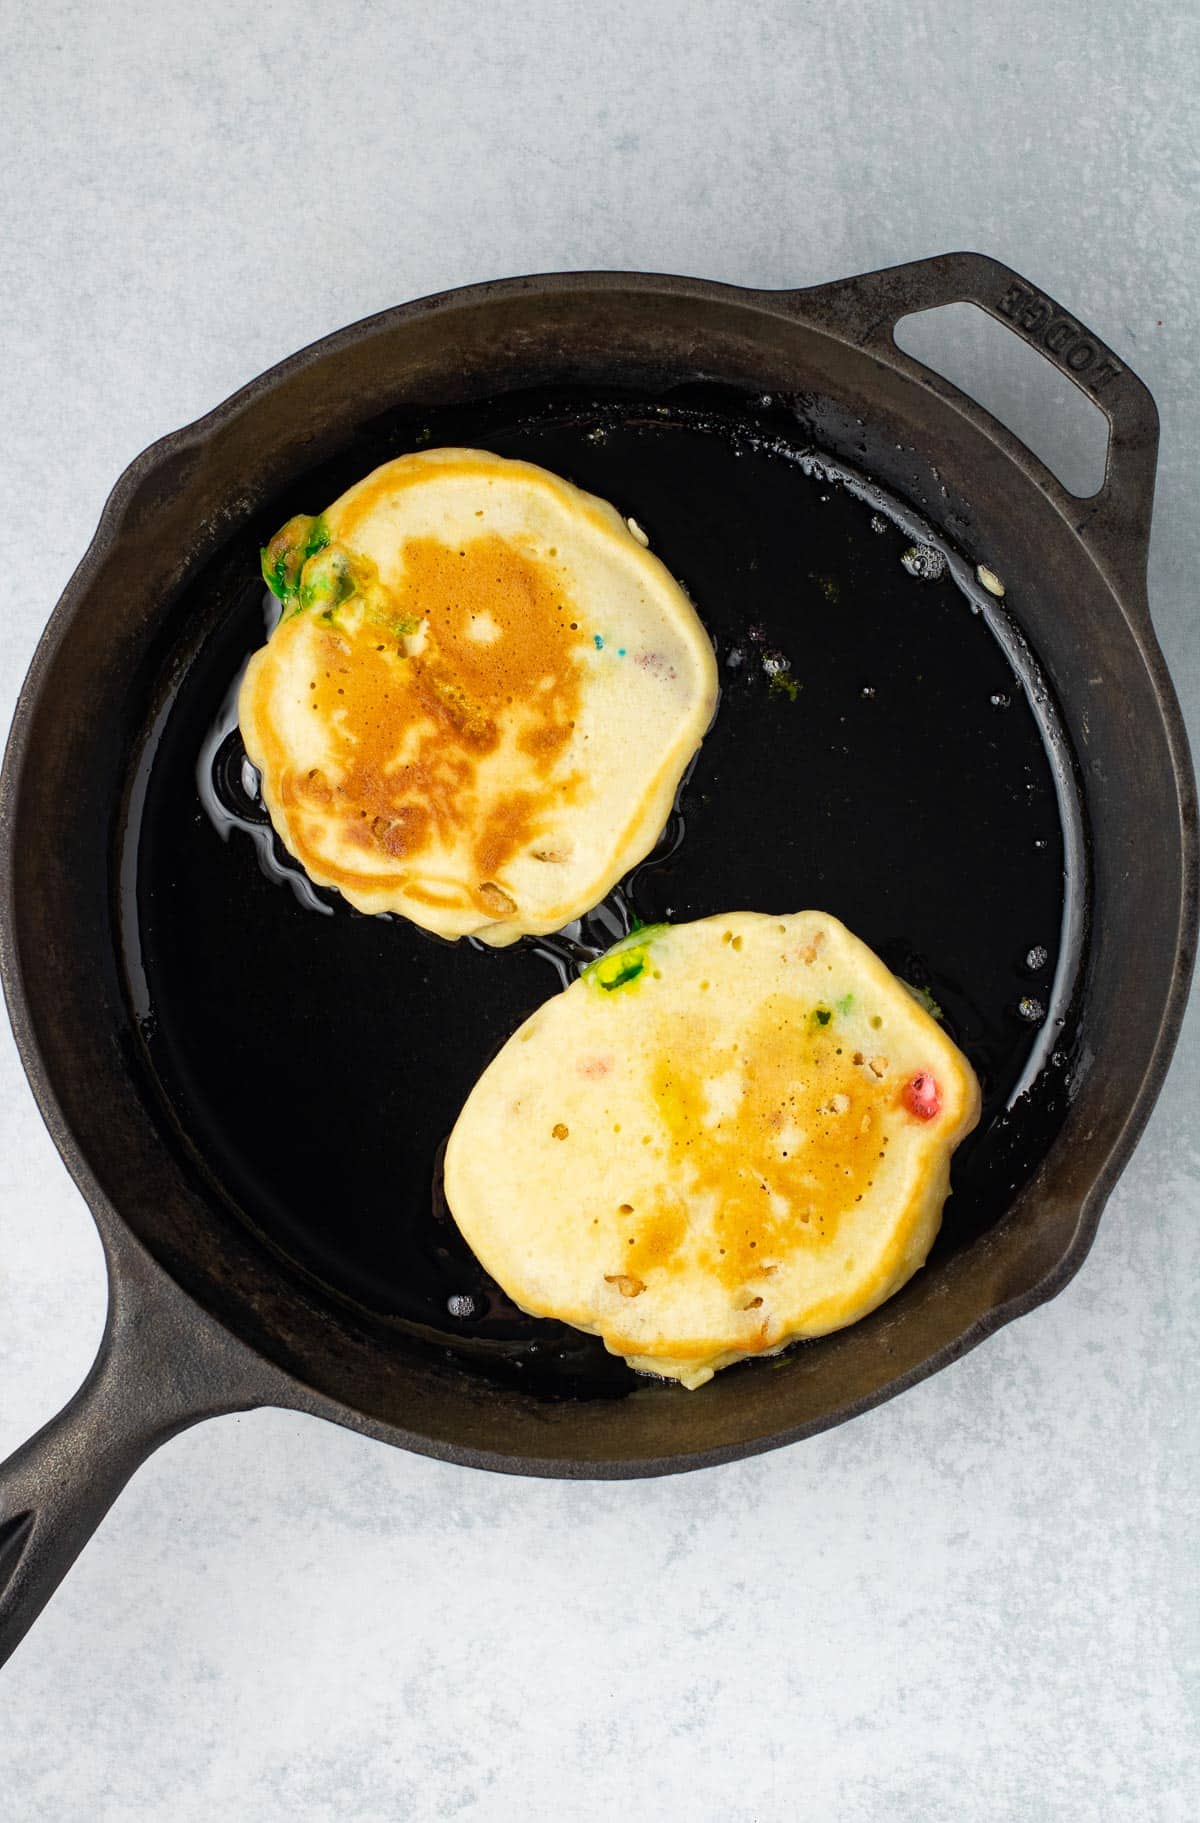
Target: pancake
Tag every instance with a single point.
(724, 1136)
(480, 698)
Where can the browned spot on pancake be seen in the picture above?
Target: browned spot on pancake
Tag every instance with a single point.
(655, 1240)
(445, 901)
(771, 1197)
(547, 741)
(508, 826)
(409, 733)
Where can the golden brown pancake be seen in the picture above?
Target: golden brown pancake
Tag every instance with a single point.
(480, 698)
(725, 1136)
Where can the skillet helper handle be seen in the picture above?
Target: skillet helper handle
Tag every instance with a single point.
(1115, 522)
(149, 1381)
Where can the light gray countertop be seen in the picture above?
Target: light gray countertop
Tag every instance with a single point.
(977, 1602)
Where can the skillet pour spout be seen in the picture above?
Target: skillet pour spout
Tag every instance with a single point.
(221, 1297)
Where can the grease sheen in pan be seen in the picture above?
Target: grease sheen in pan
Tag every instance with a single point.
(884, 747)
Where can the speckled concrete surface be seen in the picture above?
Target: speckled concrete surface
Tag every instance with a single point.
(975, 1603)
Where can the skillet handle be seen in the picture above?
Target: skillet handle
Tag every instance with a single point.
(1114, 523)
(162, 1366)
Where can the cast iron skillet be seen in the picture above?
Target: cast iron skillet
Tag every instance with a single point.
(997, 797)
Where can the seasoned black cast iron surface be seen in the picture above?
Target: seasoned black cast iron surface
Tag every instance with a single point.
(884, 749)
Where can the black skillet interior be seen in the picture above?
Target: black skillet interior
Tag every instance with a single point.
(885, 749)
